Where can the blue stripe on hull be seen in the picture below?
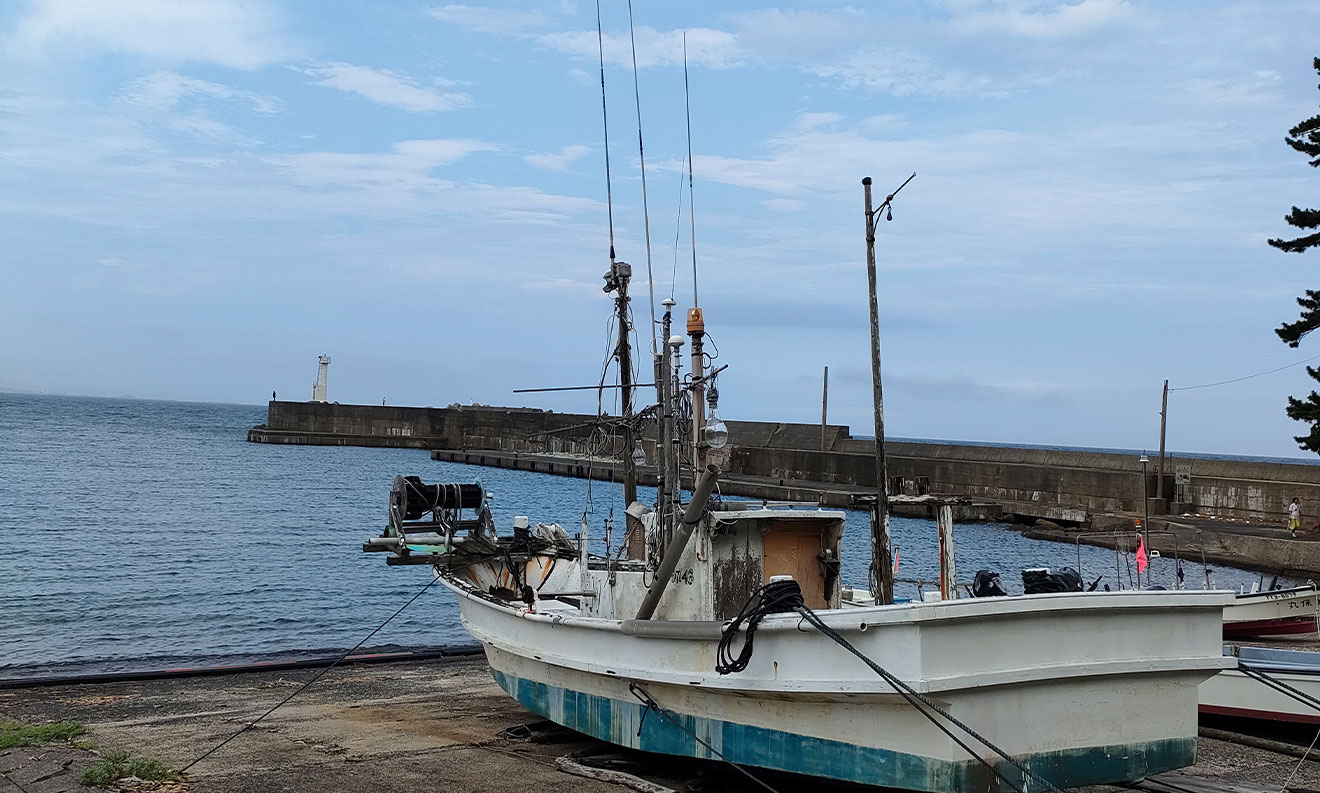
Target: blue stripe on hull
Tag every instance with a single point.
(624, 723)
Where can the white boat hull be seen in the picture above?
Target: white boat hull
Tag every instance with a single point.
(1278, 612)
(1054, 680)
(1234, 694)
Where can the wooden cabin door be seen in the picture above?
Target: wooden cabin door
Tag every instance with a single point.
(793, 548)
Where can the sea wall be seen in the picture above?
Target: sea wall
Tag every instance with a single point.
(1055, 484)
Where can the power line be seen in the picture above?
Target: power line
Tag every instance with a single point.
(1247, 377)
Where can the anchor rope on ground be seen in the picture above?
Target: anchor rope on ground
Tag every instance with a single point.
(315, 678)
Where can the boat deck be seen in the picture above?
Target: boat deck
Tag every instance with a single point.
(415, 725)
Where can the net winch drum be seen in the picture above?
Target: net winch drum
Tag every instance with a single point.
(411, 498)
(1041, 580)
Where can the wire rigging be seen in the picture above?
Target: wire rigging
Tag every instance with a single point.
(605, 119)
(678, 231)
(692, 222)
(641, 156)
(1247, 377)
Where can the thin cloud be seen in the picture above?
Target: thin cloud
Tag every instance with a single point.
(557, 162)
(386, 87)
(409, 162)
(784, 204)
(235, 34)
(500, 21)
(1063, 21)
(705, 47)
(164, 90)
(901, 73)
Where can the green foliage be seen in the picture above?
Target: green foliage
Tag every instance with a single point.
(14, 734)
(1305, 138)
(1292, 332)
(116, 764)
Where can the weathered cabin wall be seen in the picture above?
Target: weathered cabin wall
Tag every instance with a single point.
(1058, 484)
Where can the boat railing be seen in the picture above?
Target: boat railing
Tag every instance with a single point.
(1121, 553)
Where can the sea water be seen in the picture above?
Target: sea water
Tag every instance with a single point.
(139, 534)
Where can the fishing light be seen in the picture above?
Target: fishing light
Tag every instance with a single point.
(638, 453)
(715, 433)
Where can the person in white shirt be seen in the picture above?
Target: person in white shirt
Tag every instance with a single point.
(1294, 517)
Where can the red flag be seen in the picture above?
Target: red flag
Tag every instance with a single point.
(1141, 555)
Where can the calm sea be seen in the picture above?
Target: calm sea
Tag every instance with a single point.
(139, 534)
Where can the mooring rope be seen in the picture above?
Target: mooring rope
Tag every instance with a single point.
(787, 596)
(317, 677)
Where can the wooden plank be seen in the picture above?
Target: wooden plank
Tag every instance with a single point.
(1183, 782)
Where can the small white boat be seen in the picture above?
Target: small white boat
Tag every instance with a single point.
(1240, 694)
(1277, 612)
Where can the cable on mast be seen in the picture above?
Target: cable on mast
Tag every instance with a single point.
(605, 119)
(687, 108)
(641, 156)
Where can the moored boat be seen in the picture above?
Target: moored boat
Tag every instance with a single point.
(1052, 680)
(1269, 684)
(1276, 612)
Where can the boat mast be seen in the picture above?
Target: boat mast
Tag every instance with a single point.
(696, 323)
(664, 452)
(882, 564)
(616, 280)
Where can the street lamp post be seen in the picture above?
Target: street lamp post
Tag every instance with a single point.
(1145, 515)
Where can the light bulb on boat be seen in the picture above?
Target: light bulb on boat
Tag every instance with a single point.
(638, 454)
(715, 433)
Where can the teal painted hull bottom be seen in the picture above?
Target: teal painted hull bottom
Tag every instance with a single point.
(617, 721)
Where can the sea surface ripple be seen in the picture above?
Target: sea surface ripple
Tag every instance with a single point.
(137, 534)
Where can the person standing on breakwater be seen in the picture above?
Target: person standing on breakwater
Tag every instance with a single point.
(1294, 517)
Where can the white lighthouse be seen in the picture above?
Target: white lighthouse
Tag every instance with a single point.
(322, 374)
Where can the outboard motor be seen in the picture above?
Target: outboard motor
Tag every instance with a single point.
(1042, 580)
(987, 584)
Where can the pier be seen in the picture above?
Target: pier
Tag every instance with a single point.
(775, 458)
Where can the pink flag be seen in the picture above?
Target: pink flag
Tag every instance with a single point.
(895, 560)
(1141, 555)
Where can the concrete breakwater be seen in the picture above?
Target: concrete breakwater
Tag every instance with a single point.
(1059, 485)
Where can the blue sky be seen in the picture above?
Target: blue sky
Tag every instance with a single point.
(198, 198)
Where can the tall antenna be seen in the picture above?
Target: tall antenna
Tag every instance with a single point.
(692, 222)
(641, 156)
(609, 199)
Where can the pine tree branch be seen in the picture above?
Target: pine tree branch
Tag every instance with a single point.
(1296, 245)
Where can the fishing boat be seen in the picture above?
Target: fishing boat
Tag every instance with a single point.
(717, 629)
(1275, 612)
(677, 651)
(1052, 680)
(1269, 684)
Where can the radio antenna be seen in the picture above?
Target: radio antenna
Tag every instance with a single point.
(692, 222)
(605, 119)
(641, 156)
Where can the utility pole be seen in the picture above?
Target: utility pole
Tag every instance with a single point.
(824, 406)
(1164, 417)
(881, 562)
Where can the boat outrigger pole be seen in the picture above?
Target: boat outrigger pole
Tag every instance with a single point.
(882, 563)
(691, 517)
